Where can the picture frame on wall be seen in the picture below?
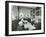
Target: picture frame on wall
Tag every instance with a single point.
(24, 18)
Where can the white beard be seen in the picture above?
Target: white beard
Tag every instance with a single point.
(29, 26)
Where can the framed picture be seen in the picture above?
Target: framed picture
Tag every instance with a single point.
(24, 18)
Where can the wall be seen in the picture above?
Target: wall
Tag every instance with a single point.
(14, 12)
(25, 12)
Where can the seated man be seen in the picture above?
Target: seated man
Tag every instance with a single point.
(27, 25)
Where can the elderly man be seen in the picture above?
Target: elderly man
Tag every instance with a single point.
(26, 24)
